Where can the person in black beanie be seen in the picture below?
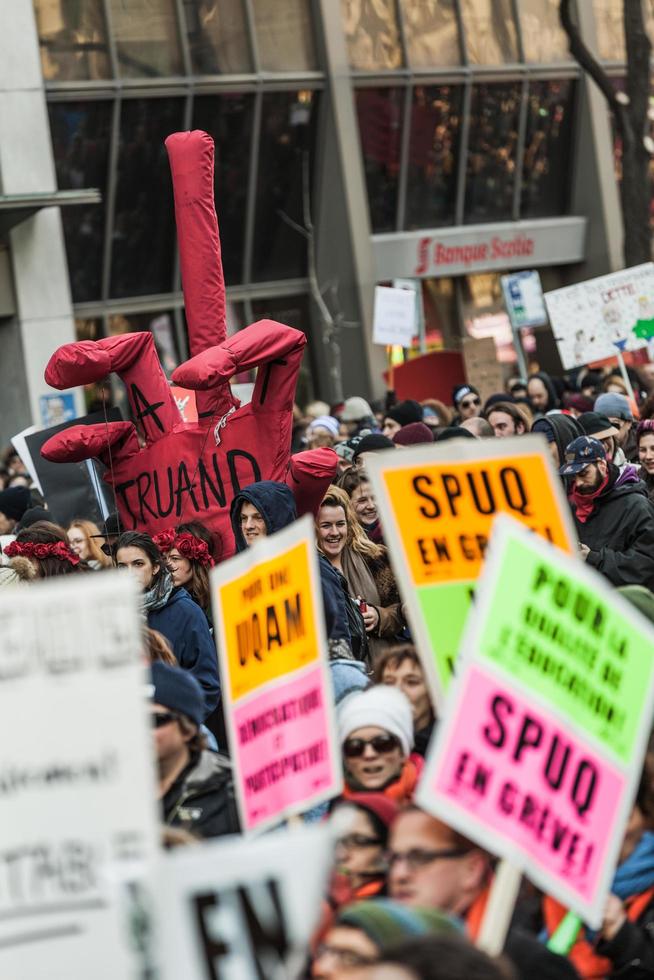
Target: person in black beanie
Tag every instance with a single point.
(14, 501)
(404, 413)
(196, 787)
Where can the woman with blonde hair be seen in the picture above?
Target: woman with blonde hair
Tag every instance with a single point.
(365, 567)
(86, 541)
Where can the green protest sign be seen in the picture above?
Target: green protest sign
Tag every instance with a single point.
(575, 643)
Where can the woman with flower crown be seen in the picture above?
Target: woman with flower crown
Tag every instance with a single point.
(46, 546)
(170, 610)
(187, 551)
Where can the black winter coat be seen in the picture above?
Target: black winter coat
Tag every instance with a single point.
(202, 799)
(631, 950)
(620, 534)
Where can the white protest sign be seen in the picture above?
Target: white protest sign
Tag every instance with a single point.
(237, 909)
(78, 814)
(594, 319)
(523, 296)
(277, 692)
(20, 445)
(394, 317)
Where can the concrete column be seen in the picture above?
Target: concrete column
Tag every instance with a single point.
(594, 188)
(44, 317)
(350, 182)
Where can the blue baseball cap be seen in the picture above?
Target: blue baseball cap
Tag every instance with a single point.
(580, 453)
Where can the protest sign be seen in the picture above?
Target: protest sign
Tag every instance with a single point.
(241, 909)
(539, 754)
(20, 445)
(395, 316)
(276, 687)
(78, 819)
(523, 296)
(483, 370)
(593, 319)
(437, 504)
(72, 489)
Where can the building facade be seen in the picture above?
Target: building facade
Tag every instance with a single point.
(357, 141)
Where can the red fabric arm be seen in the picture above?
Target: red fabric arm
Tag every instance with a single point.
(81, 442)
(309, 475)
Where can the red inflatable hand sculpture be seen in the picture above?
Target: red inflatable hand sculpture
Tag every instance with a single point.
(193, 471)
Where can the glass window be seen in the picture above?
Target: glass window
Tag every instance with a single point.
(73, 40)
(490, 169)
(543, 38)
(431, 32)
(161, 325)
(80, 142)
(484, 313)
(433, 155)
(287, 137)
(546, 169)
(144, 222)
(228, 118)
(490, 32)
(610, 29)
(380, 128)
(284, 35)
(372, 34)
(217, 36)
(146, 36)
(294, 312)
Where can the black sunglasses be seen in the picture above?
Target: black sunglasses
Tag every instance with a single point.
(355, 747)
(473, 401)
(161, 718)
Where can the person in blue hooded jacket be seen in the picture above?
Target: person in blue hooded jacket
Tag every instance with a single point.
(262, 508)
(171, 611)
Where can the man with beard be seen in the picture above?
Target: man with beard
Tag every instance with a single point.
(615, 524)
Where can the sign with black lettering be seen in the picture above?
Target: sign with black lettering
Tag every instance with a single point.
(539, 754)
(76, 776)
(241, 910)
(276, 685)
(437, 504)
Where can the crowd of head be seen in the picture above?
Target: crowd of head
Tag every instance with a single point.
(407, 894)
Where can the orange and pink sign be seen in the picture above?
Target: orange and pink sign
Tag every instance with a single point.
(277, 693)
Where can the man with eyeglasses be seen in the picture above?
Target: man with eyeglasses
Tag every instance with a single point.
(467, 402)
(196, 788)
(430, 865)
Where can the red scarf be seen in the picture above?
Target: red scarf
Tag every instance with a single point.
(585, 502)
(401, 789)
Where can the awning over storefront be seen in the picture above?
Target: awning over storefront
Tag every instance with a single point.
(479, 248)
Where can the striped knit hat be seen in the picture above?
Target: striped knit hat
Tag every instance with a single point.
(386, 922)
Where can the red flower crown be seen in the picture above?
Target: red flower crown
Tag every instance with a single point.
(189, 547)
(31, 549)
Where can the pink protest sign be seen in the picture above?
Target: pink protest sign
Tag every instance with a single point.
(516, 765)
(515, 770)
(283, 746)
(277, 695)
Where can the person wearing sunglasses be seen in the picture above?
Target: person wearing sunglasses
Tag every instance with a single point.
(467, 403)
(196, 787)
(376, 734)
(84, 539)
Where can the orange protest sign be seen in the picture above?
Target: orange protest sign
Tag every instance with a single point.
(268, 621)
(447, 510)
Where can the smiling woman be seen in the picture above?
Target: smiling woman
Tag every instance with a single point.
(365, 566)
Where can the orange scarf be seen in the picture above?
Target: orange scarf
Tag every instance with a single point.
(583, 957)
(401, 789)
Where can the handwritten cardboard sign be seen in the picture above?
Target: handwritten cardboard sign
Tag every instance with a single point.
(78, 816)
(437, 504)
(278, 701)
(539, 754)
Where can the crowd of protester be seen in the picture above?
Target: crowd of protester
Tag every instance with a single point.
(407, 894)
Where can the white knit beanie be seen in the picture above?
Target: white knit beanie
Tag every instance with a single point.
(381, 706)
